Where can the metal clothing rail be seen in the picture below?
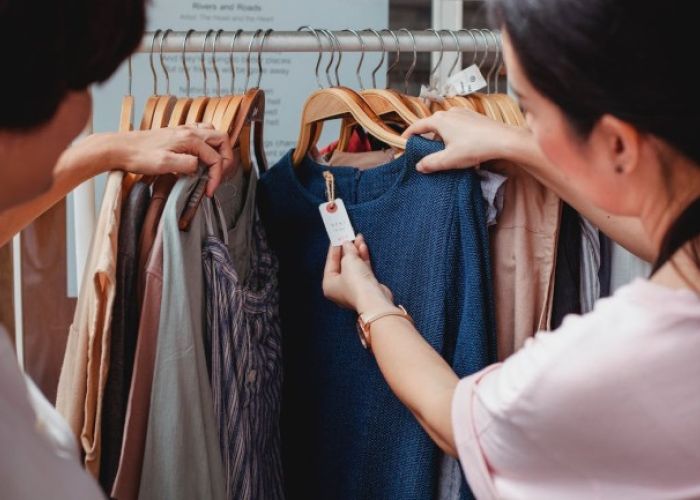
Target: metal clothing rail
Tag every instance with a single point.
(482, 41)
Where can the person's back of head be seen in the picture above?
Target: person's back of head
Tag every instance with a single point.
(54, 47)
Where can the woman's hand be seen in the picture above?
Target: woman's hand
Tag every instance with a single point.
(349, 281)
(470, 139)
(175, 150)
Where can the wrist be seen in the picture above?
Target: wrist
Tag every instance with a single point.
(372, 302)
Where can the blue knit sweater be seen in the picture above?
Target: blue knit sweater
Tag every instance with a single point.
(344, 434)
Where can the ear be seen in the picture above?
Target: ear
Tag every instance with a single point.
(620, 144)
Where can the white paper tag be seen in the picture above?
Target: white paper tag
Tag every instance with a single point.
(335, 218)
(466, 82)
(430, 94)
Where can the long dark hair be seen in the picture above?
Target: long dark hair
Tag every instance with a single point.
(626, 58)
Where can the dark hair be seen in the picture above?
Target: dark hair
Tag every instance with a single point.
(626, 58)
(53, 47)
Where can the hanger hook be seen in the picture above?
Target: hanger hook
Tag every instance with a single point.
(398, 55)
(331, 40)
(320, 52)
(339, 49)
(260, 50)
(486, 52)
(362, 57)
(250, 49)
(409, 73)
(439, 61)
(475, 51)
(459, 52)
(213, 62)
(486, 48)
(497, 62)
(184, 60)
(156, 34)
(162, 62)
(231, 62)
(130, 75)
(381, 61)
(204, 66)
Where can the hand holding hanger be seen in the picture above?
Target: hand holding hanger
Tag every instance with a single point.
(470, 139)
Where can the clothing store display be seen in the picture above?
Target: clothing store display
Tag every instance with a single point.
(243, 325)
(523, 253)
(567, 285)
(125, 324)
(161, 189)
(589, 270)
(35, 440)
(128, 478)
(344, 434)
(86, 362)
(568, 417)
(181, 458)
(625, 267)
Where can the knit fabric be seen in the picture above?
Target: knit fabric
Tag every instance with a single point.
(344, 434)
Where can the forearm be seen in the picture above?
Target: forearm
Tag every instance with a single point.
(81, 162)
(627, 231)
(419, 377)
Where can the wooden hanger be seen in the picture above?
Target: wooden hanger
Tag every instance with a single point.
(340, 102)
(386, 104)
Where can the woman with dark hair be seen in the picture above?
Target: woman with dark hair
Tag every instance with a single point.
(53, 52)
(607, 406)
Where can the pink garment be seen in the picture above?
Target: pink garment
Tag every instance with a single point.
(607, 406)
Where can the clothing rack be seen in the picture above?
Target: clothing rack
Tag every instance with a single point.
(306, 41)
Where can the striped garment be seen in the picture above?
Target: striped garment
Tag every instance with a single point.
(242, 323)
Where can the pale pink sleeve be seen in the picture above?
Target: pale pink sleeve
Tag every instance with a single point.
(469, 419)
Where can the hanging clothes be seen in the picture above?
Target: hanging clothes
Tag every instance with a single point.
(523, 252)
(86, 362)
(181, 455)
(567, 287)
(590, 265)
(128, 478)
(625, 267)
(125, 324)
(243, 325)
(344, 434)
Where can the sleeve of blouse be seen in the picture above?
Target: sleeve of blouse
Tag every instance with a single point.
(492, 409)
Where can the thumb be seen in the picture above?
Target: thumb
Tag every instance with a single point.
(435, 162)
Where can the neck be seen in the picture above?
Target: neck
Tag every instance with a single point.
(679, 186)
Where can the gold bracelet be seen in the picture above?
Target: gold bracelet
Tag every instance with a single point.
(364, 325)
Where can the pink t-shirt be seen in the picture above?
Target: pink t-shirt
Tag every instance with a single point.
(607, 406)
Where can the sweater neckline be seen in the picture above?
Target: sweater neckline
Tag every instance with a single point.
(399, 167)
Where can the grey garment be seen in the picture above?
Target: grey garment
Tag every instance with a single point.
(181, 457)
(589, 265)
(625, 267)
(244, 327)
(451, 479)
(492, 190)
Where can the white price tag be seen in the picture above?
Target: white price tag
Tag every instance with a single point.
(338, 226)
(466, 82)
